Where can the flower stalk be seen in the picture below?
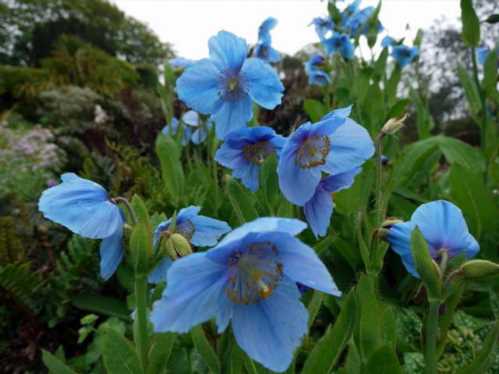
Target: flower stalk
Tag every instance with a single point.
(140, 324)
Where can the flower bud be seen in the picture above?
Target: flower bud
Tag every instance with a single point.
(393, 125)
(479, 269)
(180, 244)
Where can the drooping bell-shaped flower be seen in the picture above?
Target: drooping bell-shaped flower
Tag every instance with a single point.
(404, 55)
(226, 84)
(249, 280)
(263, 47)
(316, 76)
(85, 208)
(444, 228)
(334, 145)
(339, 43)
(244, 151)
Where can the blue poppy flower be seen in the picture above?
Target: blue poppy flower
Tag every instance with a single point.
(404, 55)
(316, 76)
(181, 63)
(334, 145)
(85, 208)
(388, 41)
(245, 149)
(357, 23)
(481, 54)
(339, 43)
(172, 128)
(249, 279)
(226, 84)
(323, 27)
(263, 48)
(199, 230)
(198, 130)
(319, 209)
(444, 228)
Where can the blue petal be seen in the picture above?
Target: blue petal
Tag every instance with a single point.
(388, 41)
(194, 287)
(111, 254)
(191, 118)
(180, 62)
(318, 211)
(82, 206)
(301, 264)
(270, 331)
(264, 29)
(260, 225)
(351, 146)
(232, 115)
(297, 184)
(262, 83)
(200, 87)
(207, 230)
(399, 237)
(338, 182)
(187, 213)
(227, 51)
(249, 176)
(199, 135)
(443, 226)
(340, 112)
(158, 274)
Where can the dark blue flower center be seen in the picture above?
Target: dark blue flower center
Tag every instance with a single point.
(254, 273)
(313, 152)
(256, 153)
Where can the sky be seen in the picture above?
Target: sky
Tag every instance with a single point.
(188, 24)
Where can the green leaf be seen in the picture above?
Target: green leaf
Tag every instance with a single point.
(490, 74)
(483, 360)
(205, 349)
(140, 209)
(493, 18)
(471, 24)
(425, 265)
(242, 201)
(469, 192)
(141, 247)
(315, 109)
(172, 172)
(270, 184)
(456, 151)
(314, 306)
(159, 352)
(119, 355)
(470, 90)
(327, 350)
(54, 364)
(102, 304)
(384, 361)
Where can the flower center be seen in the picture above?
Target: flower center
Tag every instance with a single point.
(186, 229)
(254, 273)
(257, 152)
(313, 152)
(232, 84)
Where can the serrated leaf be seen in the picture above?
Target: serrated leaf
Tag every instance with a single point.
(471, 24)
(327, 350)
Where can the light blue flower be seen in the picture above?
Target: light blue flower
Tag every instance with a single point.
(226, 84)
(199, 230)
(319, 209)
(334, 145)
(244, 151)
(85, 208)
(323, 27)
(357, 23)
(404, 55)
(172, 128)
(316, 76)
(339, 43)
(444, 228)
(249, 280)
(198, 130)
(388, 41)
(481, 54)
(181, 63)
(263, 48)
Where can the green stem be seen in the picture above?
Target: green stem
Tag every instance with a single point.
(140, 324)
(379, 180)
(120, 199)
(431, 338)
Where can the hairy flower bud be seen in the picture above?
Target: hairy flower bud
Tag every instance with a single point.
(393, 125)
(479, 269)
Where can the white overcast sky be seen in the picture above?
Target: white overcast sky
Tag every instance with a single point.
(187, 24)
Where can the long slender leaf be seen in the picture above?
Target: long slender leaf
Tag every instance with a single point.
(205, 349)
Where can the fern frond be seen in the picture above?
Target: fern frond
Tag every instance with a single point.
(19, 282)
